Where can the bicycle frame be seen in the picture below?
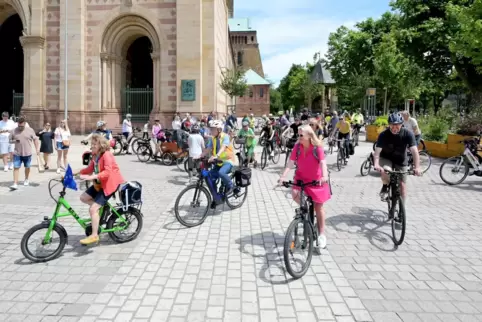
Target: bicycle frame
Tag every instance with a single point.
(217, 197)
(472, 159)
(62, 203)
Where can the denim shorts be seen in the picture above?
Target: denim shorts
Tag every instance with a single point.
(61, 146)
(18, 160)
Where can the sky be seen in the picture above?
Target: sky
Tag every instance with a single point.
(292, 31)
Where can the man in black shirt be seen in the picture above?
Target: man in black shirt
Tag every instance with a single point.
(391, 151)
(305, 116)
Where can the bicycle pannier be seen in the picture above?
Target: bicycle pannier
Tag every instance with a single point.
(243, 177)
(131, 193)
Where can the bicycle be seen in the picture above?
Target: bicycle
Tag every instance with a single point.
(266, 154)
(122, 144)
(304, 215)
(290, 144)
(393, 198)
(215, 192)
(113, 219)
(145, 152)
(356, 134)
(464, 163)
(341, 157)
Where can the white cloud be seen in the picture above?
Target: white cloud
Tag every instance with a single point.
(289, 32)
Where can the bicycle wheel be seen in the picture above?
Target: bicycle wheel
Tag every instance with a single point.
(301, 241)
(330, 148)
(460, 166)
(288, 154)
(180, 163)
(425, 161)
(239, 195)
(264, 158)
(355, 139)
(143, 153)
(33, 254)
(374, 145)
(398, 221)
(129, 215)
(276, 155)
(167, 158)
(117, 149)
(365, 168)
(195, 203)
(135, 143)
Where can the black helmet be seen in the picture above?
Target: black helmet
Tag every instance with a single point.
(395, 118)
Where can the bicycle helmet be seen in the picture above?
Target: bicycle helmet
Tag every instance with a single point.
(100, 123)
(395, 118)
(216, 123)
(245, 123)
(128, 116)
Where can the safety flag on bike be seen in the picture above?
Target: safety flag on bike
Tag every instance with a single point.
(69, 181)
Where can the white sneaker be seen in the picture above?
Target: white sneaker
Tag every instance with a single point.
(14, 186)
(322, 241)
(26, 183)
(10, 166)
(5, 168)
(58, 170)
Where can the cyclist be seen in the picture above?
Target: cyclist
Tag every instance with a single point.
(105, 173)
(222, 149)
(248, 133)
(101, 130)
(268, 133)
(411, 124)
(391, 151)
(357, 120)
(344, 132)
(309, 161)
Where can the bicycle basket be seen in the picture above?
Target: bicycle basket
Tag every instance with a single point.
(131, 193)
(242, 177)
(240, 140)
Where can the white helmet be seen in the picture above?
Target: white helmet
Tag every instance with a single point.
(216, 123)
(128, 116)
(100, 123)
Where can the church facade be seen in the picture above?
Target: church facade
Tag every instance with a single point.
(101, 59)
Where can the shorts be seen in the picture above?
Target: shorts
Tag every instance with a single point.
(61, 146)
(18, 160)
(99, 197)
(6, 148)
(385, 162)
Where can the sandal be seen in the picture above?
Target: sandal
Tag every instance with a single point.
(90, 240)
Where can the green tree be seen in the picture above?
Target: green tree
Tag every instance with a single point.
(290, 86)
(437, 34)
(275, 103)
(233, 83)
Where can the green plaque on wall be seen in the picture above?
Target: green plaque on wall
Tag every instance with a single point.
(188, 90)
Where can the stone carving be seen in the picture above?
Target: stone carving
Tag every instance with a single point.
(32, 41)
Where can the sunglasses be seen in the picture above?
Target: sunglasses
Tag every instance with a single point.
(311, 124)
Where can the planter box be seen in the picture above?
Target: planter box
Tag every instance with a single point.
(439, 150)
(373, 131)
(453, 142)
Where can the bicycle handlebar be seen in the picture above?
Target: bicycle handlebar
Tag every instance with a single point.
(300, 183)
(391, 172)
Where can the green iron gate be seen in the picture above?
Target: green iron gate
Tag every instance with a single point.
(138, 102)
(17, 102)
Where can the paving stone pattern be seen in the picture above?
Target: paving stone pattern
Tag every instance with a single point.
(231, 267)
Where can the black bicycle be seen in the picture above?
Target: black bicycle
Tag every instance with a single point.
(266, 154)
(122, 144)
(301, 241)
(394, 199)
(342, 155)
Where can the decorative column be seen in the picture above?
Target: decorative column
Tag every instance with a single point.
(156, 81)
(103, 58)
(34, 84)
(117, 83)
(109, 82)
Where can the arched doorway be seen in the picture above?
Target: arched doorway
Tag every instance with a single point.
(130, 54)
(139, 80)
(12, 64)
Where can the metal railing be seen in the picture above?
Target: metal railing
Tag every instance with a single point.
(138, 102)
(17, 103)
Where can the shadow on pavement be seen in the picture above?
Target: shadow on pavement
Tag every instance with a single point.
(470, 186)
(267, 250)
(366, 222)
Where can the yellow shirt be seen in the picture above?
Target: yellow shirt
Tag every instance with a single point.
(343, 128)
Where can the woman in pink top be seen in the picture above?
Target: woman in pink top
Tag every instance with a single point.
(310, 165)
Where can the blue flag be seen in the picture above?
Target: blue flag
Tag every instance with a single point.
(69, 181)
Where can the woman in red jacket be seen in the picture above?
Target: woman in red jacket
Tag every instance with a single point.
(105, 174)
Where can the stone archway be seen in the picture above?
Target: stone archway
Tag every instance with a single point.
(118, 37)
(11, 57)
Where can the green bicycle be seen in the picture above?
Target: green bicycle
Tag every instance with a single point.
(114, 220)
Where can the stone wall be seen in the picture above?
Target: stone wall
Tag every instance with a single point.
(256, 104)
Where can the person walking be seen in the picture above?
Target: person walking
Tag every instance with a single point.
(62, 144)
(47, 138)
(127, 130)
(6, 148)
(22, 137)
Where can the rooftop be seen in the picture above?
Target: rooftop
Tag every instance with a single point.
(239, 24)
(252, 78)
(321, 75)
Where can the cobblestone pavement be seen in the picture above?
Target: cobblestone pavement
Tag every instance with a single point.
(231, 267)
